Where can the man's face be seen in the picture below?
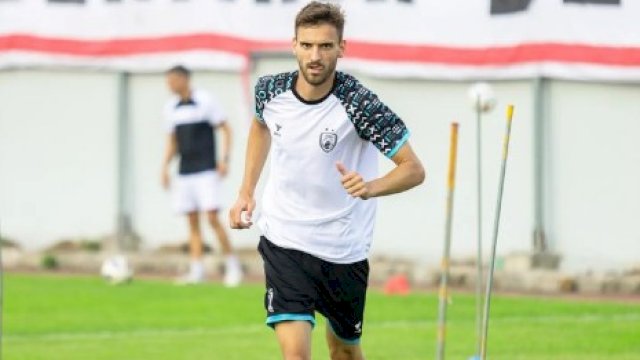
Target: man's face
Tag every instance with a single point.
(317, 49)
(177, 83)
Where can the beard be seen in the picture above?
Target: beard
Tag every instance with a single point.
(317, 79)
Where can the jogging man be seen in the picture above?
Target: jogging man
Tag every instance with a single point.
(324, 130)
(192, 118)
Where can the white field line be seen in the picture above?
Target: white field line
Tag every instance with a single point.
(257, 328)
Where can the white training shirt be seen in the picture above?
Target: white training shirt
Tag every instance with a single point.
(193, 120)
(304, 206)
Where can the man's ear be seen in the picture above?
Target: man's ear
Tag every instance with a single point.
(293, 45)
(342, 45)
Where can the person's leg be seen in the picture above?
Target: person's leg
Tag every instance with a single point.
(294, 338)
(219, 230)
(341, 350)
(195, 237)
(232, 267)
(185, 204)
(208, 189)
(209, 193)
(196, 270)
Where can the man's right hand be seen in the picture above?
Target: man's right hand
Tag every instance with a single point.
(244, 204)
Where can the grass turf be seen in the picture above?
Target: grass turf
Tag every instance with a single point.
(56, 317)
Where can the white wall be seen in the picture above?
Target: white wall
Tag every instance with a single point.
(57, 155)
(593, 211)
(58, 163)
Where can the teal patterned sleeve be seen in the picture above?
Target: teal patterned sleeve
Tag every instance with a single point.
(372, 119)
(268, 87)
(261, 96)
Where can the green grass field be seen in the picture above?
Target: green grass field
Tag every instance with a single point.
(55, 317)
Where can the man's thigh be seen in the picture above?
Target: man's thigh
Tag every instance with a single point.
(294, 338)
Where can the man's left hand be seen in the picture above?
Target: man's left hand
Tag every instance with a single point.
(353, 182)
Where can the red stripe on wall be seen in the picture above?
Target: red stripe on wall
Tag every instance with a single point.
(499, 55)
(133, 46)
(485, 56)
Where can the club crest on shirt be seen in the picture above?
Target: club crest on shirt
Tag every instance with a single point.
(328, 140)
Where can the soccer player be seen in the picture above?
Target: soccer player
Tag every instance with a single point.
(192, 117)
(324, 130)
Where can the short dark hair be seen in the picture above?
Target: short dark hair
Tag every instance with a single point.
(180, 70)
(316, 13)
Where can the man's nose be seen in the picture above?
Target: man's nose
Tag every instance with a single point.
(315, 53)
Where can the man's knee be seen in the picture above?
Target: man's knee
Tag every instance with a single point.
(295, 350)
(338, 353)
(341, 351)
(296, 356)
(213, 219)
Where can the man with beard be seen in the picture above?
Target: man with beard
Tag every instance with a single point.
(324, 130)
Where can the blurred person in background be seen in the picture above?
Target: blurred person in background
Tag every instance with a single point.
(324, 131)
(192, 118)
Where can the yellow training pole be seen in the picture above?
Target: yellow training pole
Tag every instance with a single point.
(444, 277)
(496, 225)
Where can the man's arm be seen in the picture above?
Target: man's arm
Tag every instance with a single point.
(258, 145)
(408, 173)
(169, 153)
(223, 162)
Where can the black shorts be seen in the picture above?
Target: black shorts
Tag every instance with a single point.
(299, 284)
